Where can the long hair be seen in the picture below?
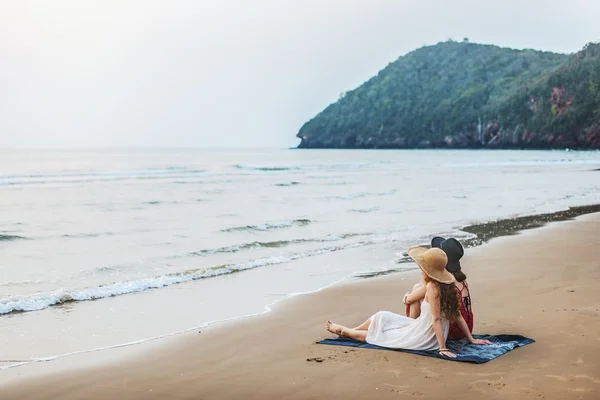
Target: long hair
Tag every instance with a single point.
(459, 275)
(449, 307)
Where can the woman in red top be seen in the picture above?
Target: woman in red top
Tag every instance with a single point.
(412, 300)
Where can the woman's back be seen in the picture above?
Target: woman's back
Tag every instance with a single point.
(462, 291)
(463, 287)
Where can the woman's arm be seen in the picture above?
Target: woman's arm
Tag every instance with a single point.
(433, 297)
(415, 295)
(462, 324)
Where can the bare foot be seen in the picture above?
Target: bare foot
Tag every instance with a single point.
(335, 328)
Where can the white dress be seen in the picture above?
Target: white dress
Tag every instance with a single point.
(399, 332)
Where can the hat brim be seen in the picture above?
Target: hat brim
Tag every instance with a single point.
(437, 242)
(453, 266)
(416, 253)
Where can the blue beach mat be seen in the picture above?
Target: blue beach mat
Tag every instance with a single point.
(464, 351)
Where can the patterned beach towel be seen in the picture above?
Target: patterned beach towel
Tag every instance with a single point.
(464, 351)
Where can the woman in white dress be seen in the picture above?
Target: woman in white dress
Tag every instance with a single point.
(430, 330)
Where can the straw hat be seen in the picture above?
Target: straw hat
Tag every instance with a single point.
(433, 262)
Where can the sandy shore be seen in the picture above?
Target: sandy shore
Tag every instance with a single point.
(542, 284)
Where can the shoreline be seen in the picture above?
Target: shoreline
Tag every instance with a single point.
(157, 340)
(244, 348)
(484, 232)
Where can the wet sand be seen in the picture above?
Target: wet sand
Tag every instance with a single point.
(542, 283)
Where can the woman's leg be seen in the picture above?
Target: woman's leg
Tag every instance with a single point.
(364, 326)
(414, 310)
(343, 331)
(355, 334)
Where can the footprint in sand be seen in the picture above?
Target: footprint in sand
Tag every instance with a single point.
(482, 374)
(404, 390)
(558, 377)
(579, 390)
(397, 373)
(595, 380)
(485, 386)
(429, 373)
(590, 312)
(572, 378)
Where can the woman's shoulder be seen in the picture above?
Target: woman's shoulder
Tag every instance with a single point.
(432, 288)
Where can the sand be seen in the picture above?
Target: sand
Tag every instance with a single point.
(542, 284)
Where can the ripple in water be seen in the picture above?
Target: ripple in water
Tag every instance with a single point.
(269, 226)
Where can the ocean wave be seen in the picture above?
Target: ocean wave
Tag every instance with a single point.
(7, 238)
(363, 194)
(274, 244)
(40, 301)
(287, 184)
(244, 246)
(338, 183)
(86, 235)
(203, 182)
(306, 167)
(267, 308)
(387, 271)
(267, 168)
(21, 283)
(523, 163)
(145, 172)
(365, 210)
(269, 226)
(159, 202)
(106, 269)
(74, 181)
(101, 176)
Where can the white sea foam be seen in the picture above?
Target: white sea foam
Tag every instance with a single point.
(40, 301)
(267, 308)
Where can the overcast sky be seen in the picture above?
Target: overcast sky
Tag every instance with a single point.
(79, 73)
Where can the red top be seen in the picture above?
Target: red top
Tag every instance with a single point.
(465, 310)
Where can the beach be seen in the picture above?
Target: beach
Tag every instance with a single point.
(195, 200)
(541, 283)
(105, 249)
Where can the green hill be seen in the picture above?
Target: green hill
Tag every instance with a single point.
(466, 95)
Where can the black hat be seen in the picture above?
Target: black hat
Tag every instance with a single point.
(453, 250)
